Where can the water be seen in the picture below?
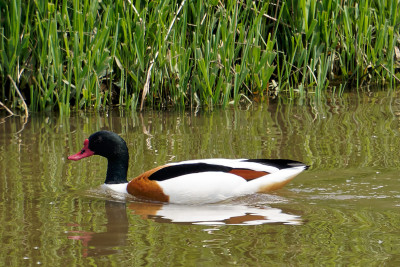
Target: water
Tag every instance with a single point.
(344, 210)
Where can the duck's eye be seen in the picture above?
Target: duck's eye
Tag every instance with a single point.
(82, 151)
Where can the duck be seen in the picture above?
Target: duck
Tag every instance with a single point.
(199, 181)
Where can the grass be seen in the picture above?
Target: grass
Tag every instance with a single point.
(69, 55)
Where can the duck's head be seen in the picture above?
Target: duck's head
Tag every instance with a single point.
(111, 146)
(103, 143)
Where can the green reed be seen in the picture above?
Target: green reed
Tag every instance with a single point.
(71, 54)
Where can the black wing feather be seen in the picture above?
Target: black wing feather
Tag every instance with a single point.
(178, 170)
(278, 163)
(189, 168)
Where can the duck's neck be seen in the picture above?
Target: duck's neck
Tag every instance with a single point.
(117, 171)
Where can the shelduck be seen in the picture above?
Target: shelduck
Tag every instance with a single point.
(188, 182)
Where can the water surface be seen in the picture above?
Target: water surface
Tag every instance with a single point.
(343, 210)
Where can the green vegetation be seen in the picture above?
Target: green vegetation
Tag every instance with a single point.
(72, 54)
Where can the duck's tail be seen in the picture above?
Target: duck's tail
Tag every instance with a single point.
(271, 181)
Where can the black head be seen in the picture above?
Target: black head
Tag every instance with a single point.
(107, 144)
(111, 146)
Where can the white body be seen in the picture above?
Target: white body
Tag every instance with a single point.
(212, 186)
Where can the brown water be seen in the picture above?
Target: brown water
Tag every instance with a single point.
(344, 210)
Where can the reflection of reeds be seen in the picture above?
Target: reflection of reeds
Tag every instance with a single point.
(98, 53)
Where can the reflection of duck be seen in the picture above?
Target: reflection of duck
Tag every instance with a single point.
(189, 182)
(117, 226)
(212, 214)
(115, 235)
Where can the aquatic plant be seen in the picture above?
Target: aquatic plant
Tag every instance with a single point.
(74, 54)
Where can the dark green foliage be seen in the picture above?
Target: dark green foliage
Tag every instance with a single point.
(71, 54)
